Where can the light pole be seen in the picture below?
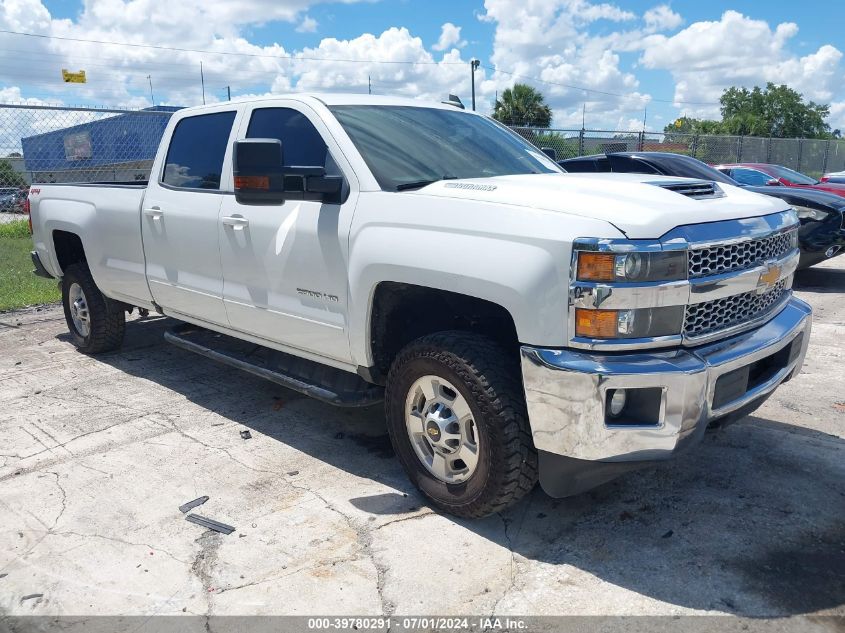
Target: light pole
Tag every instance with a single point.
(473, 64)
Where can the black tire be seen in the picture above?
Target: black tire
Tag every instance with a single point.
(490, 383)
(106, 317)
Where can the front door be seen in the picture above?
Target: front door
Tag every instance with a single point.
(179, 220)
(284, 265)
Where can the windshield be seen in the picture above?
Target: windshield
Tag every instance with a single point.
(792, 176)
(412, 146)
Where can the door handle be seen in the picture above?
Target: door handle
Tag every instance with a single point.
(238, 223)
(154, 212)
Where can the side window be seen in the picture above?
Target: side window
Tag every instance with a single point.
(197, 147)
(301, 142)
(750, 176)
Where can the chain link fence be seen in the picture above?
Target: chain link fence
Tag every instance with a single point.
(75, 144)
(810, 156)
(40, 144)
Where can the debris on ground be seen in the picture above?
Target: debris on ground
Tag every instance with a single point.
(246, 435)
(668, 534)
(193, 504)
(32, 596)
(211, 524)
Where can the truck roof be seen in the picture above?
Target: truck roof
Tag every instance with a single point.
(332, 99)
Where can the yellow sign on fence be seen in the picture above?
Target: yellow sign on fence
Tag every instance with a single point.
(73, 78)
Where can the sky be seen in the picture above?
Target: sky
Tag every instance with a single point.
(614, 65)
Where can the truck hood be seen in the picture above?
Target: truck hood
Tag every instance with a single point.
(636, 204)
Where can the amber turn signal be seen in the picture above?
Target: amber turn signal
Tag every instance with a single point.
(252, 182)
(596, 266)
(596, 323)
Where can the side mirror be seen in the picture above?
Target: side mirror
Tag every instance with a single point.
(311, 183)
(257, 165)
(774, 182)
(261, 176)
(550, 152)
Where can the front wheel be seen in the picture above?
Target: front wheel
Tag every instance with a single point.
(96, 323)
(456, 417)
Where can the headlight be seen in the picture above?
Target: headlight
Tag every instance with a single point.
(632, 267)
(808, 213)
(623, 324)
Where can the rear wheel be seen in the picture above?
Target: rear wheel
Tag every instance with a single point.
(96, 323)
(456, 417)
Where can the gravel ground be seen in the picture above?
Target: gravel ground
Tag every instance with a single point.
(96, 455)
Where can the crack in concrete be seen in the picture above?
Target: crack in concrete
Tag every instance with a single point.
(117, 540)
(203, 567)
(413, 517)
(64, 501)
(514, 568)
(365, 540)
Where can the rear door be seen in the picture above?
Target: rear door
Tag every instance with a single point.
(179, 218)
(284, 265)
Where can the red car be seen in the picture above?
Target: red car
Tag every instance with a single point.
(764, 174)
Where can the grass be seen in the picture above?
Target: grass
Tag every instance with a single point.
(18, 286)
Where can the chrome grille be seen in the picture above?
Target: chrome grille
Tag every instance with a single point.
(740, 255)
(712, 316)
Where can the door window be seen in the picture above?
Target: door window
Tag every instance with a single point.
(750, 176)
(301, 142)
(197, 147)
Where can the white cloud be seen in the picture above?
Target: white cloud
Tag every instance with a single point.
(450, 35)
(561, 46)
(707, 57)
(661, 18)
(308, 25)
(547, 39)
(428, 78)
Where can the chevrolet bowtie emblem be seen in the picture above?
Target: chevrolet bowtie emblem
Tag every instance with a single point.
(768, 278)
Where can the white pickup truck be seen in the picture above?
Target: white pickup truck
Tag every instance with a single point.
(520, 323)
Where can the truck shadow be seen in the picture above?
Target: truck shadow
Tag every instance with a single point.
(751, 522)
(820, 280)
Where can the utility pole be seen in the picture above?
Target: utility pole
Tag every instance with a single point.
(152, 99)
(228, 93)
(475, 63)
(202, 81)
(369, 86)
(583, 115)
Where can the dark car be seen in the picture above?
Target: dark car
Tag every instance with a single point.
(764, 174)
(822, 214)
(8, 198)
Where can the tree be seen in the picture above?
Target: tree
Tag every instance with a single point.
(777, 111)
(522, 105)
(9, 177)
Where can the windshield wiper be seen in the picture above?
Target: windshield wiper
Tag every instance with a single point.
(419, 184)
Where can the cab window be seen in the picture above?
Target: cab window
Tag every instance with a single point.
(197, 148)
(301, 142)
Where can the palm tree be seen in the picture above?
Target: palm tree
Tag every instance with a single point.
(522, 105)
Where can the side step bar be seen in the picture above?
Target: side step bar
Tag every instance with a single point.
(330, 385)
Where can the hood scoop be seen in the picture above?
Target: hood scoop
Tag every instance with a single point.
(695, 189)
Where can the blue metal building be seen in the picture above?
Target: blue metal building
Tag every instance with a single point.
(116, 148)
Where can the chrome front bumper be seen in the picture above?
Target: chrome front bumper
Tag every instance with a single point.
(566, 390)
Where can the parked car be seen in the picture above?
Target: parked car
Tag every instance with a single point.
(763, 174)
(837, 177)
(521, 323)
(12, 200)
(8, 199)
(822, 214)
